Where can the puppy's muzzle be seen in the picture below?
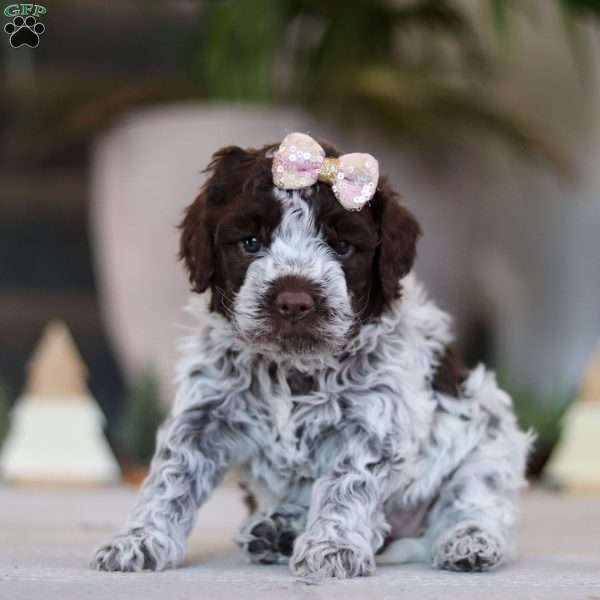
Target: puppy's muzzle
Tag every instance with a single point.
(296, 315)
(294, 304)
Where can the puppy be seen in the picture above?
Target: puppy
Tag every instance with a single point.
(321, 367)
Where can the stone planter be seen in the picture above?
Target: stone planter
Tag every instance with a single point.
(503, 241)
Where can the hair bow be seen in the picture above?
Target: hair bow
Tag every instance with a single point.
(300, 162)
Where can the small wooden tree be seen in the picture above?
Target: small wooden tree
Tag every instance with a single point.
(576, 462)
(56, 432)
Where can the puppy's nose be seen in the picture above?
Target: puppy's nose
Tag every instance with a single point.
(294, 304)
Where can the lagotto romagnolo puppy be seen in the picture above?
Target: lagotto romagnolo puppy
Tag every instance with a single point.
(323, 370)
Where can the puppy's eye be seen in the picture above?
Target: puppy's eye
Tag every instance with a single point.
(343, 248)
(251, 245)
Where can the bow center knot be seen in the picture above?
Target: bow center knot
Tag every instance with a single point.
(329, 170)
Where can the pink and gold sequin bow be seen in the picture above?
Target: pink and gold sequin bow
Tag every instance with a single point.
(300, 162)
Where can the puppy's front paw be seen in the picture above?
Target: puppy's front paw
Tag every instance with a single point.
(266, 538)
(468, 548)
(318, 558)
(134, 551)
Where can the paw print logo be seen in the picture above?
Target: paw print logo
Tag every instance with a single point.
(24, 32)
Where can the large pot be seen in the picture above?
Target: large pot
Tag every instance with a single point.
(502, 241)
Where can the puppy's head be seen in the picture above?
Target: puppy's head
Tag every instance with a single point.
(294, 271)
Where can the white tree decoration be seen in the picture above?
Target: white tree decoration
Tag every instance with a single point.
(576, 461)
(57, 427)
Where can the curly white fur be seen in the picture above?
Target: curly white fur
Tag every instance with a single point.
(364, 443)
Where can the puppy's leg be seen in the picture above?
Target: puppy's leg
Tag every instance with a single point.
(268, 537)
(193, 451)
(345, 524)
(470, 524)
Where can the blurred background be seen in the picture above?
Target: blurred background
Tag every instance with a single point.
(484, 113)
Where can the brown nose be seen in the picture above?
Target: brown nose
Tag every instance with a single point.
(294, 304)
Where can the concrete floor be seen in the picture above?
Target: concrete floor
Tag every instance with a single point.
(47, 537)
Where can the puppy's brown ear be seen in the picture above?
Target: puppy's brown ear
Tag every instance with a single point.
(399, 232)
(195, 247)
(197, 228)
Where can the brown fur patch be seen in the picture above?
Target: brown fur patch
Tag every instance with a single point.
(236, 202)
(450, 374)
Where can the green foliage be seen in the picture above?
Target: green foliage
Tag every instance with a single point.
(4, 412)
(499, 12)
(415, 69)
(252, 31)
(143, 413)
(542, 414)
(591, 7)
(294, 49)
